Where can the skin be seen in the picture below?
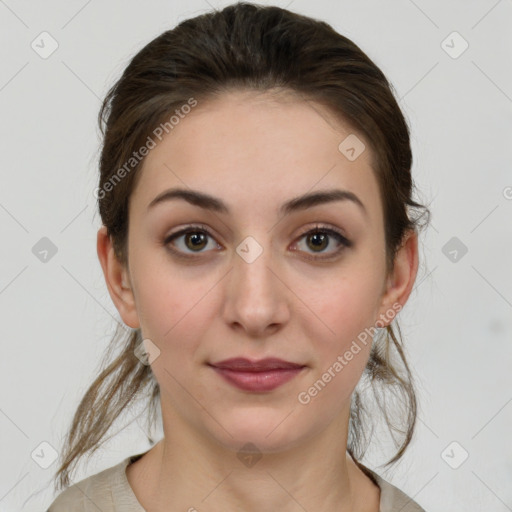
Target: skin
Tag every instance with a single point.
(255, 151)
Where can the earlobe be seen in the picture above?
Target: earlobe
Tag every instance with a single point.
(117, 280)
(401, 280)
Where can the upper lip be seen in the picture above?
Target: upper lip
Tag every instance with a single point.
(247, 365)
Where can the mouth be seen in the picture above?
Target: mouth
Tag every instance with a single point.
(257, 376)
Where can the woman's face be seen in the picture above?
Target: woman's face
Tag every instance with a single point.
(248, 281)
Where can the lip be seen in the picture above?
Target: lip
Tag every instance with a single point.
(243, 364)
(257, 376)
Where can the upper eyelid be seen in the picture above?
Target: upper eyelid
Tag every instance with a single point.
(200, 227)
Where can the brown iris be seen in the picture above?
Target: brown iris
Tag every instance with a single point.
(318, 239)
(198, 240)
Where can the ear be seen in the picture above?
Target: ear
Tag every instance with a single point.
(117, 280)
(400, 281)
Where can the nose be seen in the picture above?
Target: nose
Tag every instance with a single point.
(257, 299)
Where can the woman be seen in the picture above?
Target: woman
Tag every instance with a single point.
(257, 237)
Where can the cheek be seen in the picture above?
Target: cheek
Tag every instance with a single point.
(172, 312)
(176, 322)
(348, 308)
(344, 334)
(348, 300)
(341, 352)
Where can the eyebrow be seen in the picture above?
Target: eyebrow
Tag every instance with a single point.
(303, 202)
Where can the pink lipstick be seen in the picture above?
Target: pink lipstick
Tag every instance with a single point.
(257, 376)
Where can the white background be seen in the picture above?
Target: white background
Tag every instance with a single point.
(57, 317)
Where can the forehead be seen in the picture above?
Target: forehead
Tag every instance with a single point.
(258, 148)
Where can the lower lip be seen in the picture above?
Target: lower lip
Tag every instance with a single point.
(258, 381)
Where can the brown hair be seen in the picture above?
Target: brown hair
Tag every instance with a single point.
(247, 47)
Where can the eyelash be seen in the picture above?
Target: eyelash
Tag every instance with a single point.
(344, 242)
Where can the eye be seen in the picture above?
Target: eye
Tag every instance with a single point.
(320, 238)
(193, 239)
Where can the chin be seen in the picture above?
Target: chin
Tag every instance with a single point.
(269, 431)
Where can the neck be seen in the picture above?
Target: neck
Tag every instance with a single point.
(187, 471)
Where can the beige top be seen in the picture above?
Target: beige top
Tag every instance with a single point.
(110, 491)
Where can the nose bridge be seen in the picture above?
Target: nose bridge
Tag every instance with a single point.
(253, 263)
(256, 296)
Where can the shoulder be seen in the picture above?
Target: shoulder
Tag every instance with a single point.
(105, 491)
(391, 497)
